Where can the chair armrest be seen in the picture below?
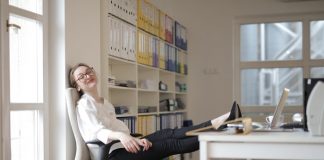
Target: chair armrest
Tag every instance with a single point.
(136, 135)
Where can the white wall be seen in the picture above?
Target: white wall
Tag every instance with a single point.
(82, 22)
(83, 32)
(74, 37)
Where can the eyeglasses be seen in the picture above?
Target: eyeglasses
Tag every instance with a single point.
(82, 76)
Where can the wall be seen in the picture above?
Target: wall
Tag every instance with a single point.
(82, 23)
(83, 32)
(74, 37)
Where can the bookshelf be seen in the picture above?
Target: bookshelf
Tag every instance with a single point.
(138, 53)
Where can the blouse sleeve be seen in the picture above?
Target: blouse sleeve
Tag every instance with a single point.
(91, 127)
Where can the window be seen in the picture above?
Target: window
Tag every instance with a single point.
(317, 39)
(277, 53)
(24, 104)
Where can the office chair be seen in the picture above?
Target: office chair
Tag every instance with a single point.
(82, 149)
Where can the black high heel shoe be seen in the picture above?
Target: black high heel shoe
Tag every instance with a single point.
(235, 113)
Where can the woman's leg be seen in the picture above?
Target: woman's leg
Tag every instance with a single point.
(176, 133)
(181, 132)
(160, 149)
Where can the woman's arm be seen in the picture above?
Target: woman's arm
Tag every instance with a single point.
(131, 144)
(93, 127)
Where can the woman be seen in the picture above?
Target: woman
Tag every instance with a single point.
(97, 121)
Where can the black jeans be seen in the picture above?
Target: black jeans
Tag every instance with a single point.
(165, 142)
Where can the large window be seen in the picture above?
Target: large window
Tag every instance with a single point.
(274, 54)
(24, 100)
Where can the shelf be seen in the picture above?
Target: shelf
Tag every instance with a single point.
(173, 112)
(147, 114)
(111, 14)
(121, 88)
(180, 75)
(146, 90)
(167, 72)
(181, 93)
(167, 92)
(118, 60)
(125, 115)
(147, 67)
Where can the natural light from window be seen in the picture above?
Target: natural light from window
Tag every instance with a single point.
(271, 42)
(35, 6)
(24, 135)
(26, 61)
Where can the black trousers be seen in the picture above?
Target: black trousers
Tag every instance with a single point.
(165, 142)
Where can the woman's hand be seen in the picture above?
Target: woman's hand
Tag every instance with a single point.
(130, 143)
(145, 143)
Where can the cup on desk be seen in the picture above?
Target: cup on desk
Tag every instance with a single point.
(279, 122)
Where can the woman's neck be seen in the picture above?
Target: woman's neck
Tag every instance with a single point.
(94, 94)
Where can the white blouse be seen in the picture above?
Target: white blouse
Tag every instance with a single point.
(96, 120)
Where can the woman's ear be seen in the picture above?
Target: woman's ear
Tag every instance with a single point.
(78, 89)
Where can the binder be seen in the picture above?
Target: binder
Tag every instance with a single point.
(140, 13)
(177, 63)
(146, 49)
(161, 55)
(124, 41)
(166, 46)
(183, 37)
(118, 38)
(110, 35)
(185, 64)
(169, 29)
(115, 37)
(124, 9)
(181, 62)
(180, 36)
(139, 46)
(162, 25)
(156, 52)
(156, 21)
(132, 44)
(150, 50)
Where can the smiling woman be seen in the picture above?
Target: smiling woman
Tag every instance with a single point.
(97, 121)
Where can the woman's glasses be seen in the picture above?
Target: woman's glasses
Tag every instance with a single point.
(82, 76)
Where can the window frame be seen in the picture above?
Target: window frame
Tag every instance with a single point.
(305, 63)
(1, 71)
(6, 106)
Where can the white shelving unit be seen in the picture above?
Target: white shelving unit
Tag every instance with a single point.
(143, 94)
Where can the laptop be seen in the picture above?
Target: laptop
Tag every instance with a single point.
(275, 123)
(274, 126)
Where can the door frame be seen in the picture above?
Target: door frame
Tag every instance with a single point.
(4, 78)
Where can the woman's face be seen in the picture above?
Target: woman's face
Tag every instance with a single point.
(85, 78)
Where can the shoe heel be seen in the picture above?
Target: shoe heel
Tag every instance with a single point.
(235, 113)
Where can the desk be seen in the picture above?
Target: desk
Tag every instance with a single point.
(261, 145)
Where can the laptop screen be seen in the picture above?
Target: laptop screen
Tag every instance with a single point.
(279, 108)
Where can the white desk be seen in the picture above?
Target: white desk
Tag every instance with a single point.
(261, 145)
